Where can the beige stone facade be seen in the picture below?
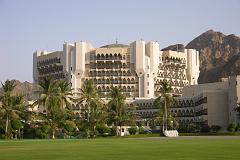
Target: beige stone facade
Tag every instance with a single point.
(137, 68)
(210, 103)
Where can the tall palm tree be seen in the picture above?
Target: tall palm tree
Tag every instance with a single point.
(55, 114)
(54, 96)
(159, 117)
(164, 91)
(11, 105)
(93, 105)
(119, 111)
(47, 89)
(65, 92)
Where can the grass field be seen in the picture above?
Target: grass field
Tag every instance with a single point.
(182, 148)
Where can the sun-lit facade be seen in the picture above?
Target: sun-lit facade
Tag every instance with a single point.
(137, 68)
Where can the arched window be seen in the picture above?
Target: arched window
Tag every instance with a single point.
(124, 88)
(124, 81)
(108, 81)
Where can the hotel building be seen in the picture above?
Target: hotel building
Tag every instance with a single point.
(209, 103)
(137, 68)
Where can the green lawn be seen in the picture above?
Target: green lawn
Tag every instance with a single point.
(192, 148)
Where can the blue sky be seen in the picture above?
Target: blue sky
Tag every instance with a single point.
(27, 25)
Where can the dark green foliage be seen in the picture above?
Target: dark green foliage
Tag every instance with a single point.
(119, 112)
(237, 127)
(215, 128)
(69, 128)
(16, 124)
(40, 134)
(94, 111)
(185, 128)
(232, 127)
(103, 130)
(141, 130)
(45, 128)
(133, 130)
(113, 131)
(205, 128)
(10, 108)
(2, 132)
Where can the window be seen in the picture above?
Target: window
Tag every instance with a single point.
(71, 68)
(71, 76)
(122, 129)
(148, 75)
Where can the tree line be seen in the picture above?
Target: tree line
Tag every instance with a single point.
(53, 114)
(58, 117)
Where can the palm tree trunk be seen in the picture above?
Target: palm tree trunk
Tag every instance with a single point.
(53, 134)
(6, 129)
(88, 120)
(163, 124)
(117, 124)
(166, 111)
(94, 133)
(53, 131)
(120, 130)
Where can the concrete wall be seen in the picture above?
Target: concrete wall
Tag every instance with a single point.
(217, 107)
(195, 90)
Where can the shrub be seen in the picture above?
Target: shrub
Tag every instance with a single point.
(215, 128)
(103, 130)
(232, 127)
(237, 127)
(40, 134)
(16, 124)
(113, 131)
(133, 130)
(141, 130)
(69, 128)
(205, 128)
(185, 128)
(45, 128)
(2, 132)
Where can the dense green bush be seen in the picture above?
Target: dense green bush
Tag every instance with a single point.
(113, 131)
(2, 133)
(69, 128)
(215, 128)
(232, 127)
(16, 124)
(133, 130)
(42, 132)
(184, 128)
(141, 130)
(45, 128)
(205, 128)
(103, 130)
(39, 134)
(237, 127)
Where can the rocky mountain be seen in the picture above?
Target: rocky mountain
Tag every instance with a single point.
(175, 47)
(24, 88)
(219, 55)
